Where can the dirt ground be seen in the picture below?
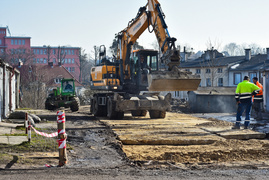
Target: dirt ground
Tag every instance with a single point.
(97, 152)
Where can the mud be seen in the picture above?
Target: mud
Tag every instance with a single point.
(97, 152)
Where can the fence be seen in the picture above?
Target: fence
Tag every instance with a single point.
(49, 134)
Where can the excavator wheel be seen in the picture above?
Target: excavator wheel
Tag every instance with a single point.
(139, 113)
(96, 110)
(154, 114)
(111, 113)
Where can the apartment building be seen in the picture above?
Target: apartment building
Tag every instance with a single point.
(18, 49)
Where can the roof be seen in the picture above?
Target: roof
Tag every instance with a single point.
(256, 63)
(21, 37)
(221, 61)
(63, 47)
(46, 74)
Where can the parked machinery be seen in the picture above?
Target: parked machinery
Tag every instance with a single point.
(64, 96)
(131, 82)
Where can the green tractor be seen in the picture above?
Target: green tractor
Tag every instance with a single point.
(65, 96)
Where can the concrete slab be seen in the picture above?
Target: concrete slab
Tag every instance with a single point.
(14, 140)
(229, 133)
(5, 130)
(3, 140)
(11, 125)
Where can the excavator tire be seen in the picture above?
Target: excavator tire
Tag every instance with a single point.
(96, 110)
(155, 114)
(111, 113)
(139, 113)
(75, 104)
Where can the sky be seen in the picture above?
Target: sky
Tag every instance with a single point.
(89, 23)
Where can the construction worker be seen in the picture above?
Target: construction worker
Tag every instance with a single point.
(258, 99)
(243, 95)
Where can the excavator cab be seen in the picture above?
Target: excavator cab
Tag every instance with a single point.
(148, 75)
(144, 63)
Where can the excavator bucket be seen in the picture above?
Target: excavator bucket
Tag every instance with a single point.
(174, 80)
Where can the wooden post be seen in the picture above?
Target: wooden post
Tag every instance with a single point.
(26, 123)
(29, 131)
(61, 138)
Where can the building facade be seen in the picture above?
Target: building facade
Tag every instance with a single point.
(18, 49)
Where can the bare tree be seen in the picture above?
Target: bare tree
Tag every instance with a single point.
(211, 66)
(60, 54)
(216, 44)
(33, 86)
(21, 54)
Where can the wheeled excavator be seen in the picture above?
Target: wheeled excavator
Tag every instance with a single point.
(133, 80)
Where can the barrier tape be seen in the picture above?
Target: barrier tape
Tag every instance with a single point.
(60, 117)
(45, 134)
(62, 143)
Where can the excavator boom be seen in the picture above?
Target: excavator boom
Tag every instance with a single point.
(172, 79)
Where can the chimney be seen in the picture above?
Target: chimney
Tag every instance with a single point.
(248, 54)
(207, 55)
(267, 50)
(185, 54)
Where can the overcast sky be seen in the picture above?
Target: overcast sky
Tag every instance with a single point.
(85, 23)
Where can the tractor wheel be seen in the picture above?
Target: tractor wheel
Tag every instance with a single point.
(139, 113)
(154, 114)
(49, 106)
(75, 104)
(111, 113)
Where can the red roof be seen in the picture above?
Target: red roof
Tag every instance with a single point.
(46, 74)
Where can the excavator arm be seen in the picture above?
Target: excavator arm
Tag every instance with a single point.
(151, 17)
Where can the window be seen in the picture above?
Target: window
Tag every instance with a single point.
(219, 70)
(37, 60)
(34, 51)
(0, 41)
(188, 70)
(73, 69)
(73, 61)
(57, 80)
(54, 52)
(23, 42)
(16, 41)
(252, 75)
(72, 52)
(208, 71)
(41, 60)
(237, 78)
(69, 61)
(198, 71)
(19, 42)
(208, 82)
(45, 60)
(45, 51)
(41, 51)
(69, 52)
(54, 60)
(65, 51)
(66, 61)
(37, 51)
(2, 51)
(12, 41)
(34, 60)
(220, 82)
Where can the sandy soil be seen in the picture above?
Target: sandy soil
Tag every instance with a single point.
(96, 151)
